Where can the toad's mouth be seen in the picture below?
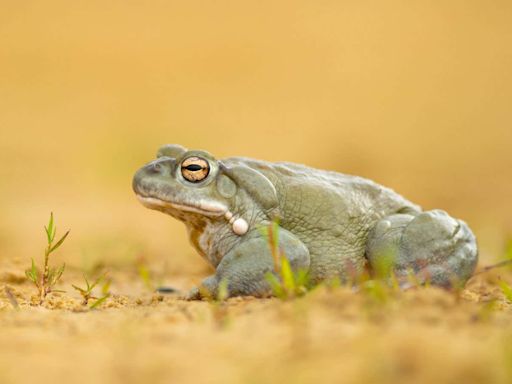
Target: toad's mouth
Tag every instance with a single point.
(204, 207)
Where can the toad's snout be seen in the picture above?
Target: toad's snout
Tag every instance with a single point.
(152, 172)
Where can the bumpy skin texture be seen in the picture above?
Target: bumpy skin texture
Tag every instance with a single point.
(331, 224)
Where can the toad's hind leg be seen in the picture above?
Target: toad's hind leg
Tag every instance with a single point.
(433, 245)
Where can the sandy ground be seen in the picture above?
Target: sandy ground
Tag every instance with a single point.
(423, 335)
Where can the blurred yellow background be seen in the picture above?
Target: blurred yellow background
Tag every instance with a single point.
(415, 95)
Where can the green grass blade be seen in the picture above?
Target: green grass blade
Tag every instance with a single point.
(31, 273)
(61, 271)
(95, 283)
(275, 285)
(29, 276)
(287, 276)
(87, 284)
(55, 274)
(59, 243)
(33, 269)
(98, 302)
(51, 230)
(81, 290)
(145, 276)
(223, 292)
(48, 235)
(302, 278)
(106, 288)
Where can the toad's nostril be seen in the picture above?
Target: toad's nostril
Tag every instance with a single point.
(155, 168)
(160, 167)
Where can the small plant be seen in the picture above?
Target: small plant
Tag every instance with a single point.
(86, 292)
(105, 295)
(284, 282)
(46, 280)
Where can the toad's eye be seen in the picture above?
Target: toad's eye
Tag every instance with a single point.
(195, 169)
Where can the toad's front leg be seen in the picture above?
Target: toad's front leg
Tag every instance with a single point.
(245, 266)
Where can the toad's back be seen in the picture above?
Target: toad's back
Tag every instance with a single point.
(330, 212)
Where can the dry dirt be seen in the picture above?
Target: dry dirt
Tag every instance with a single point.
(422, 335)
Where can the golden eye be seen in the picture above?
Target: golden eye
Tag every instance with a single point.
(195, 169)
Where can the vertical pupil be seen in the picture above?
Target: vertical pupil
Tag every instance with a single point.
(193, 167)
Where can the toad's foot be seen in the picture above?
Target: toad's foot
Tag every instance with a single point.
(434, 246)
